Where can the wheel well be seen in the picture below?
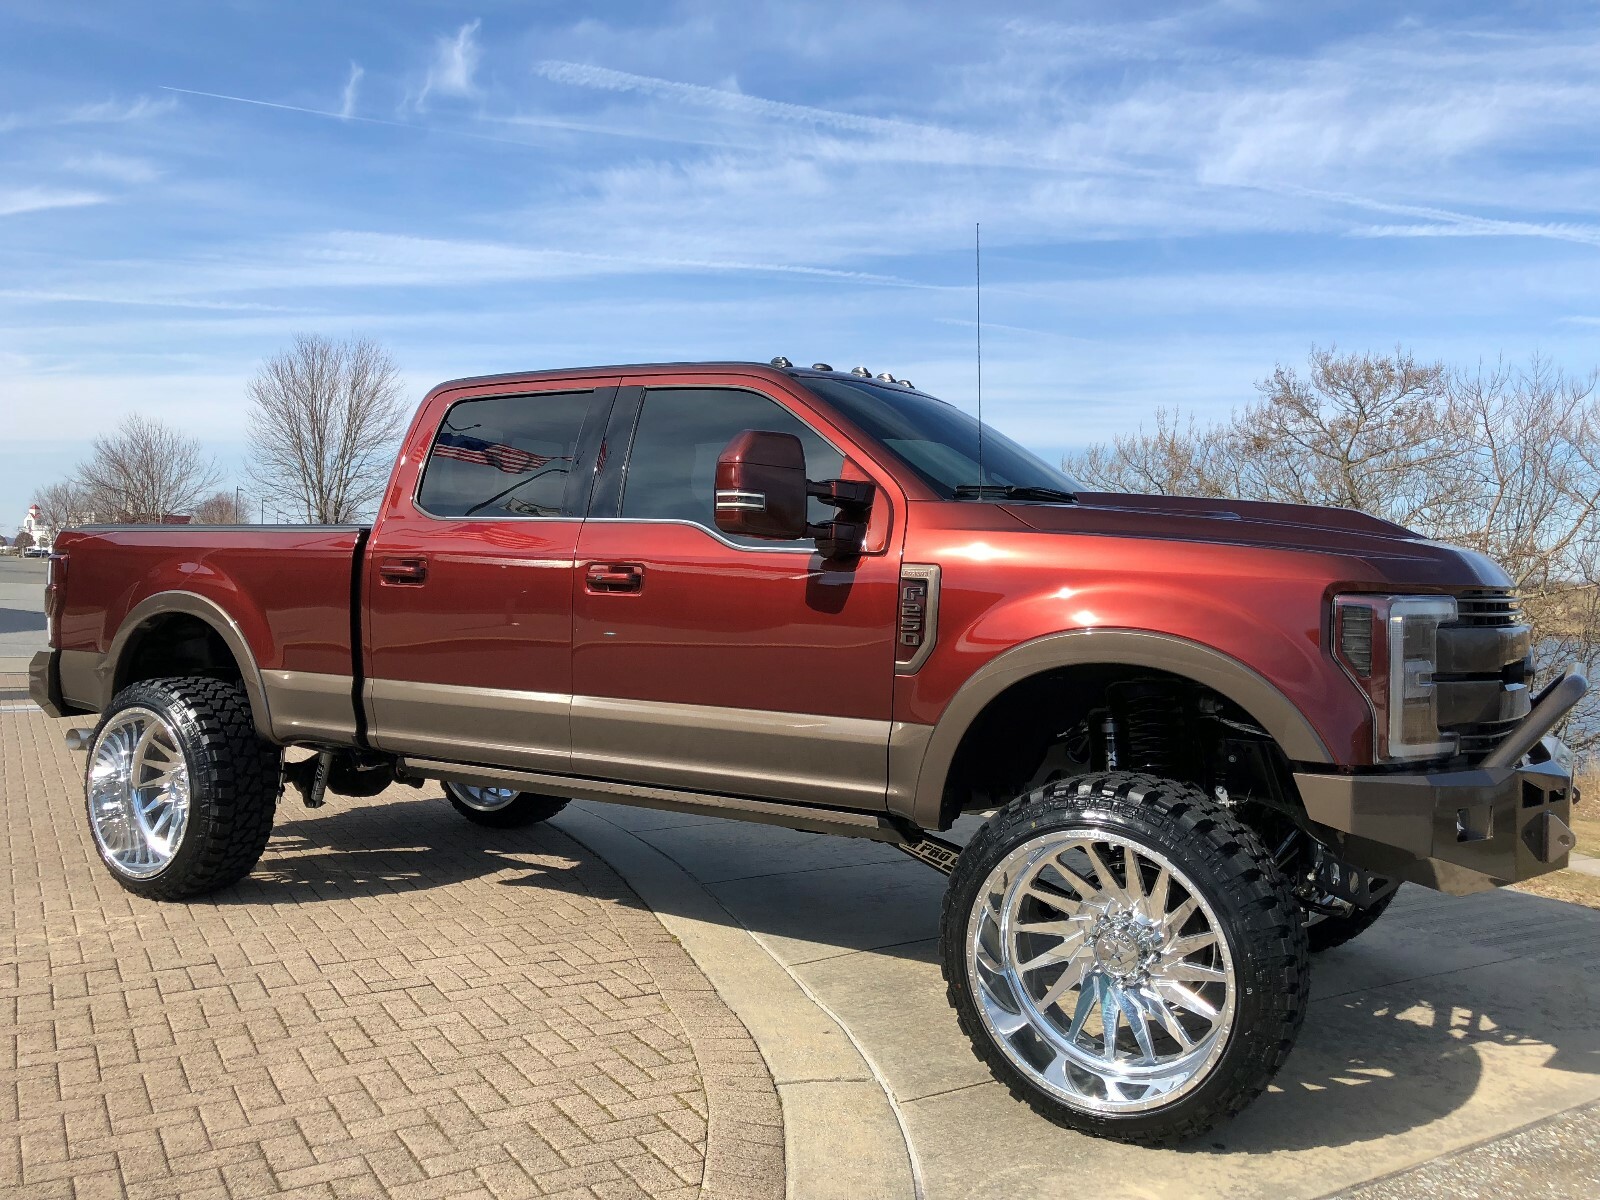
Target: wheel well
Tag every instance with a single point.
(1094, 717)
(176, 644)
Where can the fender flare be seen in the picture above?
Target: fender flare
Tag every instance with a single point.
(207, 611)
(1222, 673)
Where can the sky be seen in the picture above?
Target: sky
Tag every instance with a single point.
(1173, 197)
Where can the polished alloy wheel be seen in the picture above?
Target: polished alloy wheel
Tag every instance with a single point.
(1100, 971)
(483, 799)
(138, 793)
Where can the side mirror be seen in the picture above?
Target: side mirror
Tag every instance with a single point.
(761, 486)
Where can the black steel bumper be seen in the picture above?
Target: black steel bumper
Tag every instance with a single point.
(1501, 822)
(44, 683)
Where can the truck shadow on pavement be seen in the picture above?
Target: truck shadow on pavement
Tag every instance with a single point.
(1442, 1000)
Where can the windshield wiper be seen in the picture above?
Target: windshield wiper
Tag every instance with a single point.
(1011, 491)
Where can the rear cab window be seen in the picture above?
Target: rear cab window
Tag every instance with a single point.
(505, 457)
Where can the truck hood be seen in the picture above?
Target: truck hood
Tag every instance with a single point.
(1395, 553)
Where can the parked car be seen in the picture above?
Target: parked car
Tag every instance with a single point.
(1212, 736)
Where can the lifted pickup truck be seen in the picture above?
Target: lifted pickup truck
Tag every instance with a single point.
(1215, 735)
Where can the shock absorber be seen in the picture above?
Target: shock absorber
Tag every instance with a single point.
(1148, 719)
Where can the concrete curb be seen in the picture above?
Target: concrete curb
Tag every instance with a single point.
(842, 1134)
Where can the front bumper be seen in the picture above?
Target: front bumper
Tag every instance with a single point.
(1504, 821)
(44, 683)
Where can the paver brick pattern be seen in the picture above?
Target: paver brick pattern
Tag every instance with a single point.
(397, 1003)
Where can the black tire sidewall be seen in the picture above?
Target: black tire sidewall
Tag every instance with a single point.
(200, 758)
(1255, 977)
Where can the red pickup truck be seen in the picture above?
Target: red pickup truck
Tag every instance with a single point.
(1214, 736)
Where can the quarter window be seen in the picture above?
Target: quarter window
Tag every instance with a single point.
(681, 432)
(506, 456)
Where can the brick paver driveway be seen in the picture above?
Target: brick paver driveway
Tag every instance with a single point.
(397, 1003)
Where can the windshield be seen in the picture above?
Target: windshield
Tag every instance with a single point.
(937, 441)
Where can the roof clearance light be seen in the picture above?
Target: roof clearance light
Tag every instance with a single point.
(885, 377)
(781, 362)
(821, 367)
(861, 371)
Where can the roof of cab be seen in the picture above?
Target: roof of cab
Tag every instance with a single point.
(669, 368)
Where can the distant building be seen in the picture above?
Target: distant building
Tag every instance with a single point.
(33, 525)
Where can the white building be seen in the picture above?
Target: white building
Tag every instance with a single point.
(33, 525)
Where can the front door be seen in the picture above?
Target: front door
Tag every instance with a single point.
(722, 664)
(469, 583)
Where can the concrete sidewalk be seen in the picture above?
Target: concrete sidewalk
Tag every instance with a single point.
(1453, 1023)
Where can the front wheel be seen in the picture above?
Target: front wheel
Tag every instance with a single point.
(1124, 956)
(501, 808)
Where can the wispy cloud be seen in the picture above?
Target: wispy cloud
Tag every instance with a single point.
(347, 106)
(102, 112)
(606, 79)
(121, 168)
(14, 201)
(455, 63)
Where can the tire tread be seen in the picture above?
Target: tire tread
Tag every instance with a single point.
(1236, 862)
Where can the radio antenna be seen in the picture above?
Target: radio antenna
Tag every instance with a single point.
(977, 269)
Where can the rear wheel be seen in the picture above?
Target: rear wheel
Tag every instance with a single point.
(1124, 956)
(501, 808)
(179, 789)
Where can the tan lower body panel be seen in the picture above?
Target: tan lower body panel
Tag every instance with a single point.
(875, 826)
(308, 706)
(467, 724)
(85, 679)
(802, 758)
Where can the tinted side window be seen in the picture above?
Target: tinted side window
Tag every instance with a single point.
(508, 456)
(672, 469)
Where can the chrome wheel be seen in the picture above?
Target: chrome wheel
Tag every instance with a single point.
(483, 799)
(1100, 971)
(138, 793)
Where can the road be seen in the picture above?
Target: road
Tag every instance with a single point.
(21, 611)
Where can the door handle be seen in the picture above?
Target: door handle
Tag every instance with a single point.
(614, 577)
(403, 570)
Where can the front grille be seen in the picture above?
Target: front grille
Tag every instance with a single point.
(1488, 608)
(1484, 656)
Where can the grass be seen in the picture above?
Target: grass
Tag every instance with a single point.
(1577, 887)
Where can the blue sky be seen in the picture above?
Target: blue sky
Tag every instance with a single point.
(1173, 197)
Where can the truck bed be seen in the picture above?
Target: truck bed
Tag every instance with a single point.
(289, 593)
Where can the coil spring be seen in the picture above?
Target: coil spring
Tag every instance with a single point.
(1146, 715)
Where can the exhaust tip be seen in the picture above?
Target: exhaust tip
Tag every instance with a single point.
(78, 740)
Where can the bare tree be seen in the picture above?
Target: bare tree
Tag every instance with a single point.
(1176, 458)
(144, 471)
(1500, 460)
(222, 508)
(65, 504)
(324, 419)
(1362, 431)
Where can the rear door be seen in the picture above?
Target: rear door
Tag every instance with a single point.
(724, 664)
(470, 578)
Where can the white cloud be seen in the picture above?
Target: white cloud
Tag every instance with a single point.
(103, 112)
(119, 167)
(37, 199)
(347, 105)
(455, 63)
(606, 79)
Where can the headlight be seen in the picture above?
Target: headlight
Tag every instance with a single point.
(1389, 646)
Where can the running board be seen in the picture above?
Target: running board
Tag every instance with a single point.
(876, 826)
(933, 851)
